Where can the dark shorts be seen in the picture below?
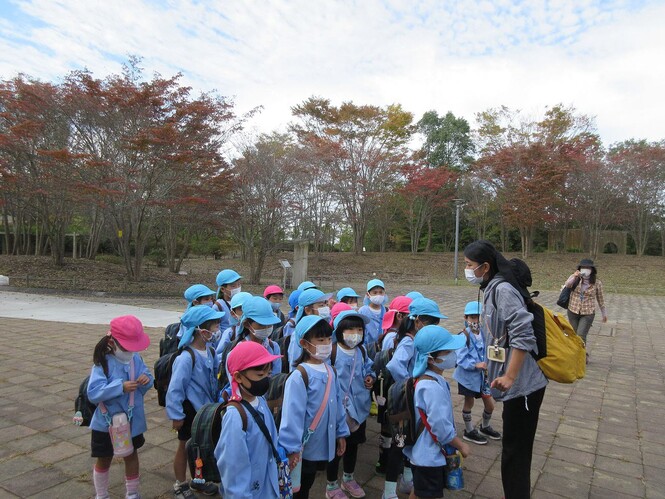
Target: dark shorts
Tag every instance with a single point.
(463, 390)
(358, 437)
(428, 481)
(101, 445)
(185, 431)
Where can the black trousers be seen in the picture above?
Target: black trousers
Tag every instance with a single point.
(520, 420)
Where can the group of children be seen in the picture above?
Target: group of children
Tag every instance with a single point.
(329, 345)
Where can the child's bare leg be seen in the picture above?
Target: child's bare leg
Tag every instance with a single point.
(180, 462)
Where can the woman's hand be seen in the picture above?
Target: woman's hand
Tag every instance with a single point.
(341, 446)
(503, 383)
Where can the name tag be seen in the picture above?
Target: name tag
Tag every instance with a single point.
(496, 354)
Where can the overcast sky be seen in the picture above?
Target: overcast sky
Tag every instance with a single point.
(605, 57)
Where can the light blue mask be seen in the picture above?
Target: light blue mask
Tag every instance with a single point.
(446, 362)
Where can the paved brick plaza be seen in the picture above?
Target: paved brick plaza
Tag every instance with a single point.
(600, 437)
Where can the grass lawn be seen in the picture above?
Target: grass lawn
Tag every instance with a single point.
(627, 274)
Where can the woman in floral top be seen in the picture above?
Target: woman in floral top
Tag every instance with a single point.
(586, 289)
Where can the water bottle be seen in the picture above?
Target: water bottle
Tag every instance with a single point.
(121, 436)
(78, 418)
(455, 477)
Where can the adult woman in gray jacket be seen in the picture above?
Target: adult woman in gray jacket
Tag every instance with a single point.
(515, 378)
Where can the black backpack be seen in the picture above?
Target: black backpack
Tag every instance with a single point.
(164, 369)
(401, 411)
(206, 429)
(83, 404)
(169, 343)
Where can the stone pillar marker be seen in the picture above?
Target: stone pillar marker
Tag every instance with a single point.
(300, 255)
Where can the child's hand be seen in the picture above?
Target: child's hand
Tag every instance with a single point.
(293, 459)
(176, 424)
(341, 446)
(481, 365)
(464, 449)
(369, 382)
(129, 386)
(143, 380)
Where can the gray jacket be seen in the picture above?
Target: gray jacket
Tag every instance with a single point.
(511, 318)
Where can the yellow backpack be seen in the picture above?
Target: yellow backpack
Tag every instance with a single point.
(565, 361)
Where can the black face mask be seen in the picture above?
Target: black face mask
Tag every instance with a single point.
(258, 388)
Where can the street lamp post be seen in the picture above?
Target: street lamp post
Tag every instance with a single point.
(458, 205)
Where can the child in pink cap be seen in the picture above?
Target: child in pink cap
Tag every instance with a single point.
(246, 459)
(119, 379)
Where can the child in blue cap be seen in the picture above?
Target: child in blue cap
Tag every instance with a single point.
(255, 325)
(434, 348)
(348, 296)
(313, 403)
(229, 335)
(356, 379)
(471, 377)
(422, 313)
(228, 285)
(310, 302)
(199, 294)
(193, 384)
(374, 309)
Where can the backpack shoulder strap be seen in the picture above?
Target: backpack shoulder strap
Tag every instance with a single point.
(303, 373)
(468, 338)
(191, 353)
(241, 411)
(364, 352)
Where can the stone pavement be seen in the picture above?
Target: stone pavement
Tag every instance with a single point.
(597, 438)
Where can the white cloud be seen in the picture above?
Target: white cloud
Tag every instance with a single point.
(601, 57)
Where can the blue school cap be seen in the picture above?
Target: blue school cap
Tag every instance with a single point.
(374, 283)
(305, 285)
(227, 276)
(433, 339)
(193, 318)
(238, 299)
(425, 306)
(346, 293)
(293, 299)
(345, 314)
(305, 324)
(473, 308)
(310, 297)
(197, 291)
(258, 309)
(414, 295)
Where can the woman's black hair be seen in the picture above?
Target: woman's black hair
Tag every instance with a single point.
(348, 323)
(319, 330)
(484, 252)
(102, 349)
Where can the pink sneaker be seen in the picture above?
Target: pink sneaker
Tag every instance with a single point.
(353, 488)
(335, 493)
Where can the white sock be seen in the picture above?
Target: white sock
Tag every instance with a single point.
(390, 489)
(101, 481)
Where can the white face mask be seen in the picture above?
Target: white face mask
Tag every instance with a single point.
(322, 351)
(353, 339)
(262, 333)
(354, 308)
(122, 356)
(471, 276)
(585, 272)
(377, 299)
(448, 361)
(235, 291)
(323, 312)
